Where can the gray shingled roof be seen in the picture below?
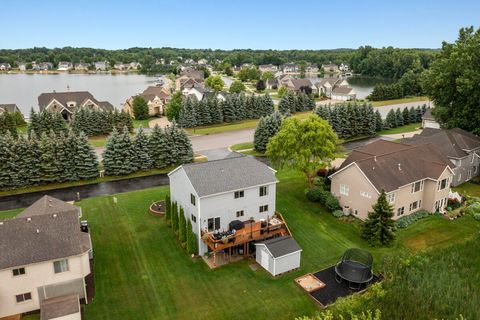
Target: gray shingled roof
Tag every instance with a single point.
(228, 174)
(48, 205)
(281, 246)
(390, 165)
(9, 107)
(452, 142)
(41, 238)
(59, 306)
(78, 96)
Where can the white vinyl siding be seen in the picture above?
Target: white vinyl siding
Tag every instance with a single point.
(344, 189)
(60, 266)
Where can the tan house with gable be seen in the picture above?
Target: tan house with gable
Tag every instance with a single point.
(45, 261)
(413, 177)
(157, 98)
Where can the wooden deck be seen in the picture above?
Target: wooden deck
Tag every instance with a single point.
(251, 232)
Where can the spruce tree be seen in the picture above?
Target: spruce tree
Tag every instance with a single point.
(413, 115)
(86, 163)
(140, 108)
(267, 127)
(48, 161)
(399, 117)
(378, 121)
(61, 155)
(267, 106)
(111, 161)
(168, 209)
(7, 161)
(378, 228)
(419, 114)
(406, 116)
(391, 120)
(191, 239)
(8, 124)
(175, 219)
(32, 160)
(158, 148)
(141, 146)
(182, 227)
(178, 146)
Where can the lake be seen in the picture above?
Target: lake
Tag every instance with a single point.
(363, 85)
(24, 89)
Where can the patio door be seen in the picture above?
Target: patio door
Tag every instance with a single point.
(213, 224)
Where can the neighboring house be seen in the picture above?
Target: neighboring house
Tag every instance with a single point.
(284, 79)
(102, 65)
(202, 62)
(413, 177)
(343, 93)
(268, 68)
(271, 84)
(428, 121)
(22, 66)
(45, 261)
(290, 68)
(4, 66)
(216, 194)
(195, 92)
(42, 66)
(311, 68)
(67, 102)
(247, 66)
(221, 96)
(64, 66)
(330, 68)
(188, 80)
(9, 107)
(157, 98)
(278, 255)
(460, 146)
(134, 66)
(326, 85)
(296, 85)
(344, 67)
(81, 66)
(226, 81)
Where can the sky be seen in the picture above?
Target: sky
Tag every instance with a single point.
(241, 24)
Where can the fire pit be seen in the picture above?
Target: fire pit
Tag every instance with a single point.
(158, 208)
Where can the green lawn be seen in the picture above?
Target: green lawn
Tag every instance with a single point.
(245, 124)
(396, 101)
(142, 273)
(98, 141)
(242, 146)
(468, 189)
(403, 129)
(143, 123)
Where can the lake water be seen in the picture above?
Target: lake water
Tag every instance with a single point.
(363, 86)
(24, 89)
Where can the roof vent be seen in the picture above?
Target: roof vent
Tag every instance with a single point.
(29, 219)
(375, 158)
(54, 215)
(50, 205)
(1, 223)
(38, 230)
(399, 167)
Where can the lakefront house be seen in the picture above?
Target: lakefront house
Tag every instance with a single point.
(156, 97)
(414, 177)
(230, 203)
(45, 261)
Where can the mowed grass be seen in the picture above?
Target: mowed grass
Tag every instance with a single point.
(468, 189)
(402, 129)
(396, 101)
(142, 273)
(242, 146)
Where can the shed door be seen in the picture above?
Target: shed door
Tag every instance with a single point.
(265, 259)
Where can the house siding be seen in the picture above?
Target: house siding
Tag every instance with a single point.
(278, 265)
(463, 166)
(37, 276)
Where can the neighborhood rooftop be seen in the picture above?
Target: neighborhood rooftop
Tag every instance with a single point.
(390, 165)
(48, 205)
(63, 98)
(233, 173)
(40, 238)
(453, 142)
(281, 246)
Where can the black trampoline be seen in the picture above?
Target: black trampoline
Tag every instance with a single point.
(355, 267)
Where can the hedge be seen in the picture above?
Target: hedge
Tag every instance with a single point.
(406, 221)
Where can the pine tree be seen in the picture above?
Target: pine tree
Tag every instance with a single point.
(168, 209)
(141, 145)
(413, 115)
(378, 228)
(391, 120)
(175, 219)
(61, 156)
(178, 145)
(48, 161)
(267, 127)
(191, 239)
(86, 163)
(111, 161)
(182, 227)
(7, 123)
(158, 148)
(140, 108)
(378, 121)
(32, 160)
(399, 117)
(267, 106)
(419, 114)
(7, 161)
(406, 116)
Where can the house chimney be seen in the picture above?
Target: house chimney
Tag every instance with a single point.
(399, 167)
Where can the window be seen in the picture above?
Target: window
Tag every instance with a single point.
(344, 189)
(239, 194)
(355, 212)
(213, 224)
(192, 199)
(23, 297)
(417, 186)
(415, 205)
(391, 197)
(400, 211)
(263, 208)
(263, 191)
(444, 183)
(60, 266)
(193, 218)
(365, 194)
(18, 271)
(240, 214)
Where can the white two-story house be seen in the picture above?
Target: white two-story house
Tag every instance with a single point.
(215, 193)
(44, 261)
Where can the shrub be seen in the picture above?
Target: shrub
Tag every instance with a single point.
(314, 194)
(320, 182)
(473, 209)
(332, 203)
(337, 213)
(406, 221)
(477, 216)
(324, 194)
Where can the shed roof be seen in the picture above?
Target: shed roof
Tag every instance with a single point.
(281, 246)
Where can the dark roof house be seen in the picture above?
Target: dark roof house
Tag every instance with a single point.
(9, 107)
